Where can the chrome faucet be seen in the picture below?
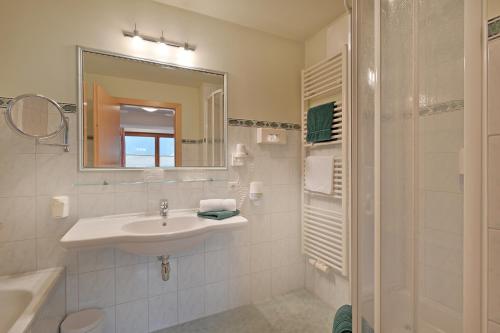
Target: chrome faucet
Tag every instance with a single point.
(164, 207)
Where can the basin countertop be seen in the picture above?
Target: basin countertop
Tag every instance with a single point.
(140, 228)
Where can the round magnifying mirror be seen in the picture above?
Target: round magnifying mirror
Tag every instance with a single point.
(35, 116)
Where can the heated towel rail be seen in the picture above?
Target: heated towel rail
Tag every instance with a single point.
(324, 216)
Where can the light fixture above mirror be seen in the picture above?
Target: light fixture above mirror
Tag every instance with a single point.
(161, 41)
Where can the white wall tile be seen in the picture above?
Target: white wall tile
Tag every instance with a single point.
(280, 253)
(217, 241)
(130, 202)
(240, 291)
(17, 257)
(131, 283)
(163, 311)
(279, 281)
(132, 317)
(216, 266)
(95, 259)
(216, 297)
(50, 253)
(240, 261)
(123, 258)
(281, 225)
(191, 304)
(261, 286)
(91, 205)
(46, 225)
(17, 218)
(191, 271)
(71, 292)
(260, 226)
(260, 257)
(96, 289)
(20, 178)
(109, 319)
(56, 174)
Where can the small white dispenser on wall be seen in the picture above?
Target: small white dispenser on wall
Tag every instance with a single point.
(256, 190)
(274, 136)
(60, 207)
(324, 214)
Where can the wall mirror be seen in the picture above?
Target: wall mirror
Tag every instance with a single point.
(137, 114)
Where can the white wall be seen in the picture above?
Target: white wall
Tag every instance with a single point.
(328, 41)
(40, 51)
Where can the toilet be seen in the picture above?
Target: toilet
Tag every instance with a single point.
(85, 321)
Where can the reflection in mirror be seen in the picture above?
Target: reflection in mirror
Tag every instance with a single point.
(141, 114)
(35, 116)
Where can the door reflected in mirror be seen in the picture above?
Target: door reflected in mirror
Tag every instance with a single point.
(143, 114)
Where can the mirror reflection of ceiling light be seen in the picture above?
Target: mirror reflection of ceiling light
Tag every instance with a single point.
(149, 109)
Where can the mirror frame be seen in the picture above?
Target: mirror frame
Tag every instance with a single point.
(8, 117)
(80, 52)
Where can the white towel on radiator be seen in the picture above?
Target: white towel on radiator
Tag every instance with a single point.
(217, 204)
(319, 174)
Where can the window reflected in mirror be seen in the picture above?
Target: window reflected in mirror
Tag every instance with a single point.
(140, 114)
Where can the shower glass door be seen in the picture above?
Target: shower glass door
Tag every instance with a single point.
(409, 131)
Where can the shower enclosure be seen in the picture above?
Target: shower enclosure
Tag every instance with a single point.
(409, 165)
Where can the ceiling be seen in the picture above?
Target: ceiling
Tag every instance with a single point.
(293, 19)
(95, 63)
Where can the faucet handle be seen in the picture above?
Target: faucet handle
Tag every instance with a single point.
(163, 203)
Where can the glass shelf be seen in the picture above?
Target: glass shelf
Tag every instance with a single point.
(164, 181)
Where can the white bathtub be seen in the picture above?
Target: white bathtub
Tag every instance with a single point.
(21, 296)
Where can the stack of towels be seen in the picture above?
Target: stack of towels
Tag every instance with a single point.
(218, 209)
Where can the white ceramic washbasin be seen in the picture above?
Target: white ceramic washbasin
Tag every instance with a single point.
(145, 234)
(21, 297)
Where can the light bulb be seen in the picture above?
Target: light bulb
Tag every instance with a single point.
(185, 56)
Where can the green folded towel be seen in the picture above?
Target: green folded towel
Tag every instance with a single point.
(319, 122)
(343, 320)
(218, 214)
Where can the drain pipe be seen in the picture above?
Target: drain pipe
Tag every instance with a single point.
(165, 267)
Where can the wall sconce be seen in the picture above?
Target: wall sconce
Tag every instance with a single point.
(158, 40)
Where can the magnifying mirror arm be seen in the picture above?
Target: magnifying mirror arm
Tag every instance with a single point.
(65, 144)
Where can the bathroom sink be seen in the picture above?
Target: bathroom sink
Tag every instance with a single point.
(144, 234)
